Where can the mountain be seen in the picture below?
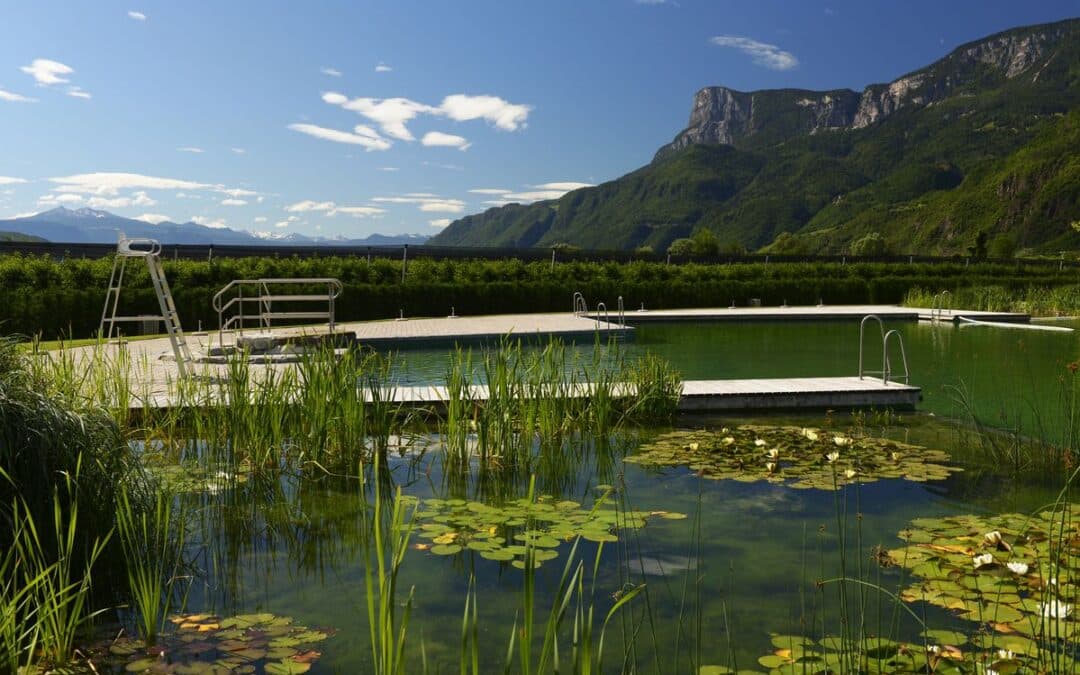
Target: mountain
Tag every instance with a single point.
(18, 236)
(81, 226)
(978, 145)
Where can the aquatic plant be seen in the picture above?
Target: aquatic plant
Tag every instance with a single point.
(794, 456)
(206, 643)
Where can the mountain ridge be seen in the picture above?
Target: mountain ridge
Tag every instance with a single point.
(86, 225)
(752, 166)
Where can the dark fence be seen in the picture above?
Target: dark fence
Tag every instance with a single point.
(210, 251)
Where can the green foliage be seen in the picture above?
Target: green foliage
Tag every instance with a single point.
(1002, 247)
(681, 247)
(871, 245)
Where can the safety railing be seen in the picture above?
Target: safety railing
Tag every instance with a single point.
(886, 363)
(602, 311)
(234, 306)
(938, 305)
(581, 308)
(622, 313)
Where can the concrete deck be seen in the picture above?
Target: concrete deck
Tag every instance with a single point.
(815, 313)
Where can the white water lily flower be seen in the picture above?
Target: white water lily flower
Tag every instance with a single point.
(992, 538)
(774, 453)
(1006, 654)
(1018, 568)
(727, 440)
(693, 447)
(760, 442)
(934, 649)
(1055, 609)
(982, 560)
(810, 433)
(832, 456)
(896, 456)
(850, 473)
(841, 440)
(771, 466)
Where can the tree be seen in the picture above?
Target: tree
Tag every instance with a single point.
(788, 244)
(1002, 246)
(705, 243)
(872, 244)
(681, 247)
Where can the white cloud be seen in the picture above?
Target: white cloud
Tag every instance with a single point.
(499, 202)
(388, 168)
(440, 222)
(155, 218)
(288, 221)
(437, 138)
(233, 202)
(332, 72)
(138, 16)
(309, 205)
(11, 97)
(503, 114)
(382, 68)
(11, 180)
(192, 149)
(110, 184)
(390, 114)
(24, 214)
(52, 198)
(260, 219)
(359, 211)
(139, 198)
(342, 136)
(237, 192)
(332, 209)
(564, 186)
(218, 224)
(762, 53)
(489, 191)
(78, 92)
(47, 72)
(426, 202)
(238, 151)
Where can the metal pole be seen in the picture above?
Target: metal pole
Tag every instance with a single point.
(552, 258)
(404, 261)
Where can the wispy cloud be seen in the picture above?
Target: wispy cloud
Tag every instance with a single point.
(138, 16)
(366, 140)
(12, 97)
(47, 72)
(536, 193)
(11, 180)
(762, 53)
(233, 202)
(139, 198)
(489, 191)
(440, 222)
(382, 68)
(109, 184)
(238, 151)
(154, 218)
(426, 202)
(332, 72)
(332, 209)
(437, 138)
(393, 114)
(260, 219)
(78, 92)
(390, 169)
(191, 149)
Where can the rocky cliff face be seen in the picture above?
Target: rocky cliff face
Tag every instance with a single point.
(722, 116)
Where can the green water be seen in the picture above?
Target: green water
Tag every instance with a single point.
(293, 547)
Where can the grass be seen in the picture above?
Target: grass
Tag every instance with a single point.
(1036, 300)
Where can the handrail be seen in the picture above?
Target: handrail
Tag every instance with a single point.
(265, 299)
(887, 375)
(125, 244)
(601, 307)
(622, 313)
(938, 303)
(862, 327)
(580, 306)
(886, 363)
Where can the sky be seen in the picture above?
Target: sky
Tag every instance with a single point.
(351, 118)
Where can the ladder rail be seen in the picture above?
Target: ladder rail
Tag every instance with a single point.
(888, 362)
(887, 337)
(265, 314)
(862, 330)
(579, 305)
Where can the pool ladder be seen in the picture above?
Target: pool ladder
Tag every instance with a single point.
(150, 251)
(886, 364)
(938, 306)
(581, 308)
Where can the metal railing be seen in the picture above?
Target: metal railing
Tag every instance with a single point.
(601, 310)
(265, 312)
(938, 306)
(886, 364)
(580, 306)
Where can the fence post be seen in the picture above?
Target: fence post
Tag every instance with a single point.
(552, 258)
(404, 261)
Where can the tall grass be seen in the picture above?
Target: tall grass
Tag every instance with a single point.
(1029, 298)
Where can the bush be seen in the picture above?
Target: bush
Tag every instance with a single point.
(872, 245)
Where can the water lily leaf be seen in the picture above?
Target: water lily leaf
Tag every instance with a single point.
(287, 667)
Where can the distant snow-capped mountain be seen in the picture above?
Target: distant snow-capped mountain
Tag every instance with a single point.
(91, 226)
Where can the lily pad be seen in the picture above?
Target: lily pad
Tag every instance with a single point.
(795, 456)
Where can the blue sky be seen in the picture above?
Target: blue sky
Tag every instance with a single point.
(349, 118)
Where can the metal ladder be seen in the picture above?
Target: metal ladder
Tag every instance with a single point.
(150, 250)
(886, 363)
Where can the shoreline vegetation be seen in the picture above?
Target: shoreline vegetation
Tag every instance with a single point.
(51, 298)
